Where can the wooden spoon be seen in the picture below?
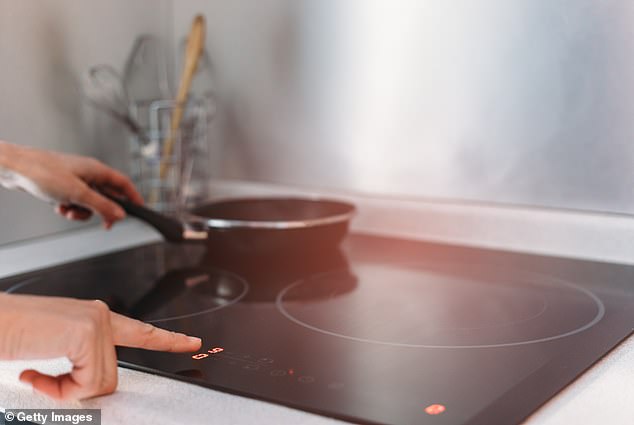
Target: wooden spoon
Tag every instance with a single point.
(193, 51)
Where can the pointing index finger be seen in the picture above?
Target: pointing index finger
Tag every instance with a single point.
(133, 333)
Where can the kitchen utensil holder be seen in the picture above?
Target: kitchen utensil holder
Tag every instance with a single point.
(185, 182)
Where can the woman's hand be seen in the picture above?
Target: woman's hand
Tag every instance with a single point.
(86, 332)
(68, 181)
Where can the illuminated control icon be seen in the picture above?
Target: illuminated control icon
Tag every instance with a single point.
(435, 409)
(306, 379)
(215, 350)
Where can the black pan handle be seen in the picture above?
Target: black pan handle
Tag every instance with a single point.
(171, 229)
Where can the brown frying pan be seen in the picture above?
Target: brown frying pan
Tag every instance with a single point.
(255, 225)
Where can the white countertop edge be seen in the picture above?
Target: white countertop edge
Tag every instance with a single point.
(22, 257)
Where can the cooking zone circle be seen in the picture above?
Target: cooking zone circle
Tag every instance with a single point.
(175, 295)
(449, 307)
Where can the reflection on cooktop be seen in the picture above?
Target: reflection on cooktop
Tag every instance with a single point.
(414, 306)
(269, 274)
(178, 294)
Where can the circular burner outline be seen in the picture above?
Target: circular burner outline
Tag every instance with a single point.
(245, 290)
(599, 304)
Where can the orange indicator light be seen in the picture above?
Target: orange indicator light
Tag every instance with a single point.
(435, 409)
(200, 356)
(216, 350)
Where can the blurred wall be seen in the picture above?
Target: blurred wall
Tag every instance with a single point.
(44, 47)
(522, 102)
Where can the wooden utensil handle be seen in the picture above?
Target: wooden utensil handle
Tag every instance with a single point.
(193, 51)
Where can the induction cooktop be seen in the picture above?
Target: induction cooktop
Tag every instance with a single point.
(381, 330)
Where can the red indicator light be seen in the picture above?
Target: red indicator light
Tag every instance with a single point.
(291, 371)
(216, 350)
(200, 356)
(435, 409)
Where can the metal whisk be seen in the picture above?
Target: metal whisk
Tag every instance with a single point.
(103, 87)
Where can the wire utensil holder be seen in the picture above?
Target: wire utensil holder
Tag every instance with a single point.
(183, 184)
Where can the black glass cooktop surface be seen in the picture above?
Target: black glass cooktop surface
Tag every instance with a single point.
(380, 331)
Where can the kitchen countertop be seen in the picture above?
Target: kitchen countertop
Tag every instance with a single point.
(604, 394)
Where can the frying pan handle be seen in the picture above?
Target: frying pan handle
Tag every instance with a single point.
(171, 229)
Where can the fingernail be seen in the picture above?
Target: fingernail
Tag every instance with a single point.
(119, 213)
(194, 339)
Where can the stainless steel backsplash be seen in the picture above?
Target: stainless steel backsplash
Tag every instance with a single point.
(522, 102)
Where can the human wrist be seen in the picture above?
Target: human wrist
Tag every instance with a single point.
(9, 164)
(8, 156)
(5, 350)
(4, 154)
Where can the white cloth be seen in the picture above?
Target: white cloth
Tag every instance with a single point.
(142, 398)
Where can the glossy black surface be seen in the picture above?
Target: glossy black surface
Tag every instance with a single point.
(375, 332)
